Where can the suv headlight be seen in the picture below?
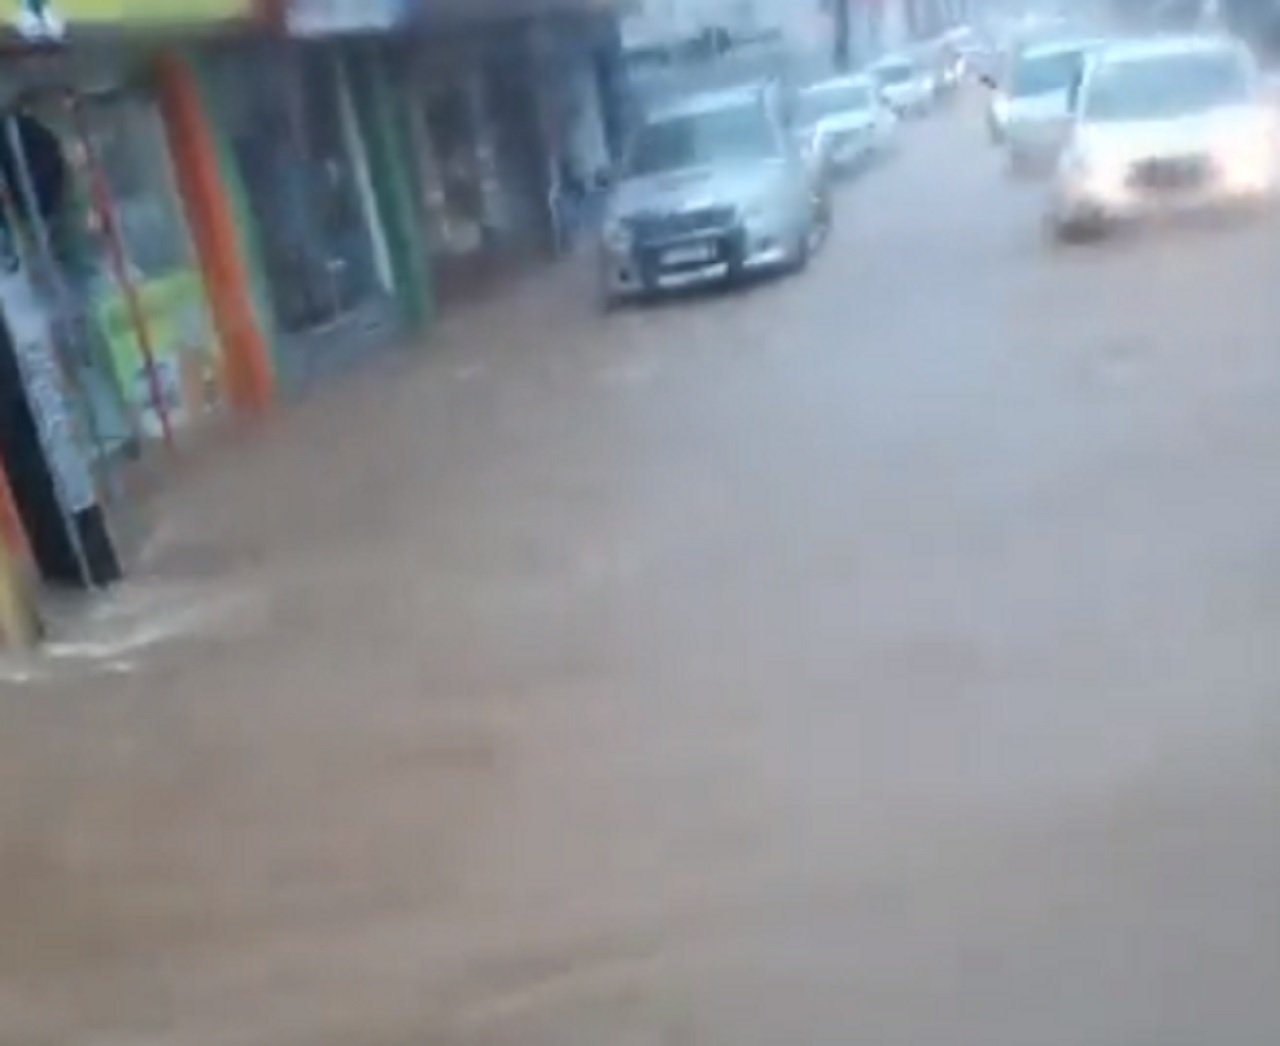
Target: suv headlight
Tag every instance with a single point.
(1096, 172)
(1249, 159)
(617, 235)
(761, 209)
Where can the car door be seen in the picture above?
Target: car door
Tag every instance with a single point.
(805, 158)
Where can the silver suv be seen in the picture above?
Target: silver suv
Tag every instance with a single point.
(713, 188)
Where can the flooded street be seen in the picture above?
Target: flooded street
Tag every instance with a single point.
(885, 655)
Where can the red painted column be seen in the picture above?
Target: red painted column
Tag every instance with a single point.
(250, 383)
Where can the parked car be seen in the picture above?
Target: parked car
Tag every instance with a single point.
(1166, 124)
(713, 187)
(844, 122)
(966, 45)
(906, 86)
(1031, 113)
(982, 55)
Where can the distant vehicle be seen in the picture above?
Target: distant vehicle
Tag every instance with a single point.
(1166, 124)
(1030, 113)
(844, 122)
(980, 58)
(713, 188)
(906, 86)
(945, 56)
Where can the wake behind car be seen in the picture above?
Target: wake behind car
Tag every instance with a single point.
(713, 188)
(1030, 114)
(1166, 124)
(844, 122)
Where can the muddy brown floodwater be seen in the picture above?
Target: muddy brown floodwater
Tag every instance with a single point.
(887, 655)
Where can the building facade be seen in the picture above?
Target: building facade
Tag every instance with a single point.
(312, 152)
(207, 206)
(112, 355)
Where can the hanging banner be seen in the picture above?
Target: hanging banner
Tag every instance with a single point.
(51, 19)
(328, 17)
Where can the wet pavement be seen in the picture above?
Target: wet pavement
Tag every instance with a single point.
(885, 656)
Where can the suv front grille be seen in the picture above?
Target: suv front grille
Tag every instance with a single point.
(1183, 172)
(657, 228)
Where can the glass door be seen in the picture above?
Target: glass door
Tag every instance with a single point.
(291, 142)
(138, 267)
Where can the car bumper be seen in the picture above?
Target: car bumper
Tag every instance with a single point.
(852, 149)
(995, 127)
(738, 252)
(1084, 204)
(910, 103)
(1032, 150)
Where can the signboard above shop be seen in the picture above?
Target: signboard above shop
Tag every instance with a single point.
(52, 19)
(329, 17)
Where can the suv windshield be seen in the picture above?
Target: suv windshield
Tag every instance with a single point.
(1044, 74)
(1154, 88)
(819, 102)
(739, 132)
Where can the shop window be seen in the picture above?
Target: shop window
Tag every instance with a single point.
(457, 199)
(299, 156)
(133, 156)
(125, 188)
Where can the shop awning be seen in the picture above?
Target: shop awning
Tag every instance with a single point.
(474, 10)
(330, 17)
(51, 21)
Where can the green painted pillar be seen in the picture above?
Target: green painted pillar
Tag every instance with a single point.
(381, 102)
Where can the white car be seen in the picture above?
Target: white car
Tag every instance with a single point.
(844, 122)
(1031, 114)
(1166, 124)
(906, 87)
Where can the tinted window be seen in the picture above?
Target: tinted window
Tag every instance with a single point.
(895, 74)
(1046, 73)
(825, 101)
(740, 132)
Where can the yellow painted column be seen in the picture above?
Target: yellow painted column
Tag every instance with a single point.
(20, 625)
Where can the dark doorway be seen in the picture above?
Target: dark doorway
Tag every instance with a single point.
(69, 548)
(48, 472)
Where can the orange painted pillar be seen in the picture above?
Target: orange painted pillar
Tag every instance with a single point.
(250, 382)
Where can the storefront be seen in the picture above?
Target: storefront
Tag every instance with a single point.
(486, 180)
(90, 159)
(134, 265)
(108, 355)
(518, 125)
(523, 175)
(289, 110)
(572, 77)
(98, 230)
